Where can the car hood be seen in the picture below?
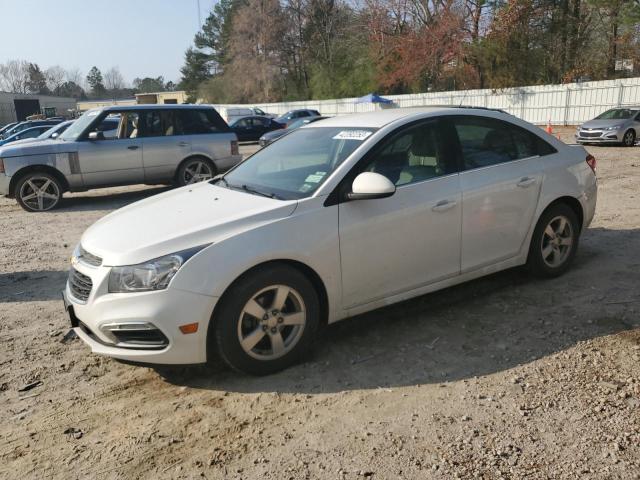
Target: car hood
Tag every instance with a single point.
(40, 147)
(602, 123)
(177, 220)
(275, 134)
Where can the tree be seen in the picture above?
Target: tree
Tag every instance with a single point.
(113, 79)
(14, 76)
(55, 77)
(71, 89)
(148, 84)
(37, 82)
(94, 80)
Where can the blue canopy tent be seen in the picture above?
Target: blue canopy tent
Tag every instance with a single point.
(373, 98)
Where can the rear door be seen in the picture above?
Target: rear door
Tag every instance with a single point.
(164, 144)
(113, 160)
(208, 135)
(500, 182)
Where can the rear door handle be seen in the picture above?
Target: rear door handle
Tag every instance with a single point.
(133, 147)
(183, 144)
(526, 182)
(444, 205)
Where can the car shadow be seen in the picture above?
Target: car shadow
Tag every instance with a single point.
(38, 285)
(481, 327)
(92, 201)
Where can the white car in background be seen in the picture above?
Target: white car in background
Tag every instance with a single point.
(335, 219)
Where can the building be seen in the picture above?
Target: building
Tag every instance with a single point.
(140, 99)
(17, 107)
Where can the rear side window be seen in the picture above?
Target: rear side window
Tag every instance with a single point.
(194, 122)
(157, 123)
(487, 141)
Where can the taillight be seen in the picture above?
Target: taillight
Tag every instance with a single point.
(591, 161)
(234, 148)
(1, 166)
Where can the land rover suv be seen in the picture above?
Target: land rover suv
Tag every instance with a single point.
(152, 144)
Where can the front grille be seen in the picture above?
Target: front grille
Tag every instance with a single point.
(590, 134)
(89, 258)
(80, 285)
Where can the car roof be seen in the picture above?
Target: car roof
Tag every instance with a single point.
(151, 106)
(380, 118)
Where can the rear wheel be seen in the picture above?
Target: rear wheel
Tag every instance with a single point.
(629, 138)
(195, 170)
(554, 242)
(38, 192)
(267, 321)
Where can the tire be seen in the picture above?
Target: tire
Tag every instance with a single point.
(194, 170)
(262, 346)
(552, 251)
(38, 192)
(629, 138)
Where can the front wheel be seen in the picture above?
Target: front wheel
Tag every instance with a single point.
(195, 170)
(554, 242)
(267, 321)
(629, 138)
(38, 192)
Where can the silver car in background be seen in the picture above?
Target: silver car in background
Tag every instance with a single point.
(617, 126)
(151, 144)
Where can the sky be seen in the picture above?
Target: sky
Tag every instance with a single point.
(144, 38)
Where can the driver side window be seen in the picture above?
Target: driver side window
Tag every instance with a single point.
(412, 155)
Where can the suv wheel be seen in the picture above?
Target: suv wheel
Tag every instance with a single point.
(195, 170)
(38, 192)
(554, 242)
(267, 321)
(629, 138)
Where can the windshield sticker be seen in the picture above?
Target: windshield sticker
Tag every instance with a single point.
(92, 114)
(359, 135)
(315, 178)
(305, 188)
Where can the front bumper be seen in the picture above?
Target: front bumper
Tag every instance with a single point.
(165, 310)
(4, 184)
(599, 136)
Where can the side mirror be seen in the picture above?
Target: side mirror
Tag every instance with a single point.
(370, 185)
(55, 135)
(96, 136)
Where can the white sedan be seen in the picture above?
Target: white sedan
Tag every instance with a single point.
(335, 219)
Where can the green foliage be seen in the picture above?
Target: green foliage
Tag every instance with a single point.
(37, 82)
(94, 79)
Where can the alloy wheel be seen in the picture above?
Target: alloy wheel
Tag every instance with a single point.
(197, 171)
(557, 241)
(271, 322)
(39, 193)
(629, 139)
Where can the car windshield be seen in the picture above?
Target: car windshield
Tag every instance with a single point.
(617, 114)
(73, 132)
(47, 133)
(298, 123)
(297, 164)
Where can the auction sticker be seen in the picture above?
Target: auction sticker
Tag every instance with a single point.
(315, 178)
(352, 135)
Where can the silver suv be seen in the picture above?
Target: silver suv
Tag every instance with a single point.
(617, 126)
(151, 144)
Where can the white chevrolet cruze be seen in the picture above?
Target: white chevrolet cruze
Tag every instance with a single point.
(337, 218)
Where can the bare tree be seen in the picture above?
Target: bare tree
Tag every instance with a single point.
(55, 77)
(14, 76)
(113, 79)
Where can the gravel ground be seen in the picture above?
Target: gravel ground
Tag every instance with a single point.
(503, 377)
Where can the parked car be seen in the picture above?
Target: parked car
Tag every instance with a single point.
(28, 124)
(293, 115)
(7, 127)
(27, 133)
(252, 128)
(272, 136)
(618, 125)
(154, 144)
(332, 220)
(230, 115)
(50, 133)
(262, 113)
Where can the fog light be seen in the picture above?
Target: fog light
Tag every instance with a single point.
(135, 335)
(189, 328)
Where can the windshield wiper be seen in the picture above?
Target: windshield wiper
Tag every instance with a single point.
(249, 189)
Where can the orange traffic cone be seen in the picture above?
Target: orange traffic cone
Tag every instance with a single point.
(549, 129)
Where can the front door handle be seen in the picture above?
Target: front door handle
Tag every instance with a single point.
(526, 182)
(444, 205)
(133, 147)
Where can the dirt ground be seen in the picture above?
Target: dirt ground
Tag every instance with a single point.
(504, 377)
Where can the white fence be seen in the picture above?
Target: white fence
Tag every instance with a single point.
(567, 104)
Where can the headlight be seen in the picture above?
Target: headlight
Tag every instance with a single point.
(612, 128)
(152, 275)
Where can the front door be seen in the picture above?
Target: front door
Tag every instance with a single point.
(500, 188)
(113, 161)
(396, 244)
